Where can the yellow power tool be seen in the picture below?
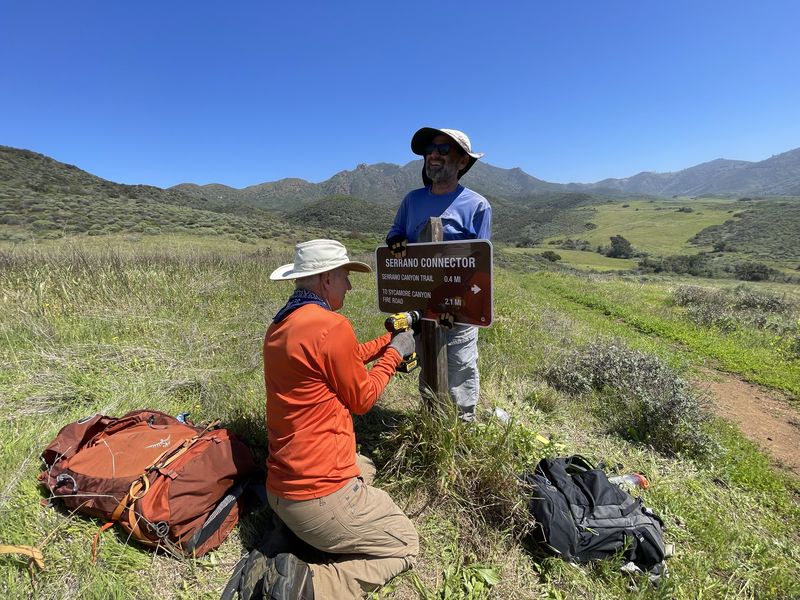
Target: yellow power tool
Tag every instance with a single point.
(403, 321)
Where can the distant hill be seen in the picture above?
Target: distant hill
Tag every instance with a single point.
(35, 173)
(381, 183)
(775, 176)
(386, 184)
(45, 198)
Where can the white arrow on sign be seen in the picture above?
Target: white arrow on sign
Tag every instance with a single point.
(475, 289)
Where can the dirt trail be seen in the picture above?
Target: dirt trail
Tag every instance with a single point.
(764, 416)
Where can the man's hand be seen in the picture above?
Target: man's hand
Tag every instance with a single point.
(397, 245)
(447, 319)
(403, 342)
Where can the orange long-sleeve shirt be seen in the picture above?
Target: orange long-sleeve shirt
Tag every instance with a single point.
(315, 375)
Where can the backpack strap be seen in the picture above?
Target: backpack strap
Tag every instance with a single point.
(578, 463)
(216, 518)
(96, 539)
(34, 554)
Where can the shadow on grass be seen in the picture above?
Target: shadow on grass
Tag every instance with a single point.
(371, 431)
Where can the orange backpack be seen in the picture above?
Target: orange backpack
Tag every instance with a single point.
(168, 483)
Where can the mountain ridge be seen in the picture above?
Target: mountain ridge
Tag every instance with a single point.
(43, 198)
(387, 183)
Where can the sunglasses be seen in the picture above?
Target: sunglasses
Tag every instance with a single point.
(442, 149)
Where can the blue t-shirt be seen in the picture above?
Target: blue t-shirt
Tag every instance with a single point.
(466, 215)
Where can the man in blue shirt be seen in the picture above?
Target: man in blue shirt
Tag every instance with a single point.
(465, 215)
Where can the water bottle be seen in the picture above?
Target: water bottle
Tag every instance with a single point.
(631, 479)
(502, 415)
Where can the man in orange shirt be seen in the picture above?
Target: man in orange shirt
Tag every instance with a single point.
(315, 375)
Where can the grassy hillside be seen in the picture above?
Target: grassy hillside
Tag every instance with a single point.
(531, 219)
(345, 213)
(764, 229)
(24, 172)
(88, 329)
(44, 199)
(703, 236)
(657, 226)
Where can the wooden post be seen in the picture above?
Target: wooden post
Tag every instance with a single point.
(434, 338)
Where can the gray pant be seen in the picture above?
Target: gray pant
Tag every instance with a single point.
(463, 378)
(370, 539)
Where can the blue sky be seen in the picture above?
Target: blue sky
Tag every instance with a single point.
(245, 92)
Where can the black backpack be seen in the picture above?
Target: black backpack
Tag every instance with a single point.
(580, 516)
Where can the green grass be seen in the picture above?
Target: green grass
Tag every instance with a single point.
(588, 261)
(114, 327)
(657, 227)
(631, 309)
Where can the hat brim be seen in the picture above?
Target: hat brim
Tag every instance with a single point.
(287, 272)
(424, 136)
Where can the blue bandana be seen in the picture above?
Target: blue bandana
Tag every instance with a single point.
(299, 298)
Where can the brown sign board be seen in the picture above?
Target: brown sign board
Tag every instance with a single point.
(438, 277)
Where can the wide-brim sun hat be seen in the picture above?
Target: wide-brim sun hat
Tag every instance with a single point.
(424, 136)
(315, 257)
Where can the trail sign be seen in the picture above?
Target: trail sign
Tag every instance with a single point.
(438, 277)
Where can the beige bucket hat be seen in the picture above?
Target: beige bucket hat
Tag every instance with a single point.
(424, 136)
(315, 257)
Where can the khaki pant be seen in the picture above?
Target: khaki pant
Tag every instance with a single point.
(372, 538)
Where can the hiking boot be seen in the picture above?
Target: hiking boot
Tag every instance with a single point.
(292, 579)
(252, 576)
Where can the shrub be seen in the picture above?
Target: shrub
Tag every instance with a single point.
(570, 244)
(12, 219)
(721, 246)
(691, 264)
(620, 248)
(551, 256)
(752, 271)
(44, 225)
(685, 295)
(727, 310)
(717, 315)
(639, 397)
(746, 298)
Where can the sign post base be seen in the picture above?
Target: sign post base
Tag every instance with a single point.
(434, 339)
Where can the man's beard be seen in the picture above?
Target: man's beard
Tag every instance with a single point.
(447, 172)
